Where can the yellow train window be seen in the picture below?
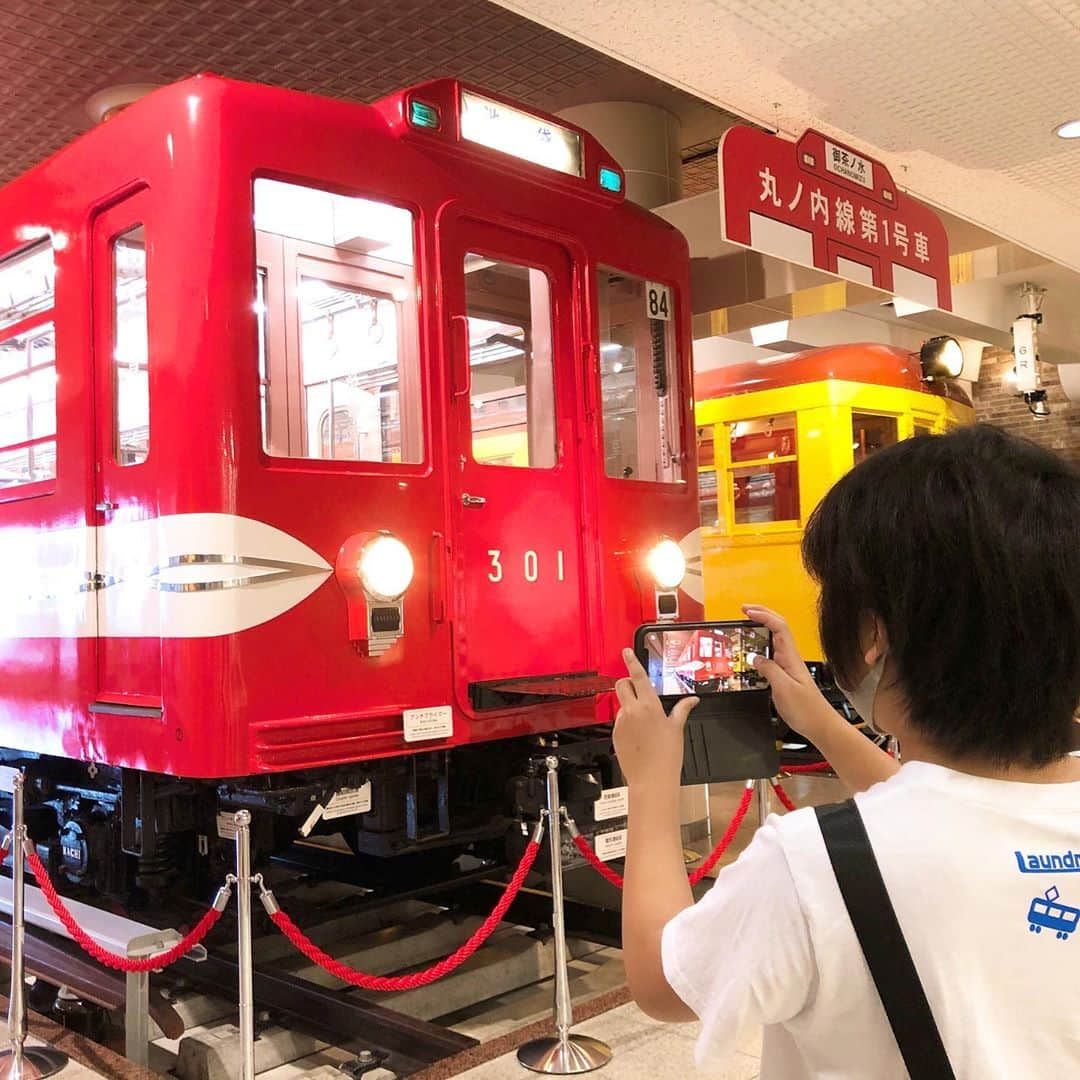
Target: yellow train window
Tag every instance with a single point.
(763, 475)
(871, 433)
(708, 488)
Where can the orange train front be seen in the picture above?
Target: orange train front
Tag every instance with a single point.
(772, 439)
(336, 445)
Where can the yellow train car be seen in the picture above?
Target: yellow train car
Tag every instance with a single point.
(773, 438)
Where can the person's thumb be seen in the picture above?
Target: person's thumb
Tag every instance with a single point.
(772, 671)
(683, 709)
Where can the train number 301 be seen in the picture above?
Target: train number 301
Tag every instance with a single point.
(531, 566)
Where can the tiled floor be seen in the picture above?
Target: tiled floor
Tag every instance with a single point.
(644, 1050)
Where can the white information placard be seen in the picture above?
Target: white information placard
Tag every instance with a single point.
(226, 826)
(611, 845)
(849, 165)
(436, 722)
(349, 801)
(612, 803)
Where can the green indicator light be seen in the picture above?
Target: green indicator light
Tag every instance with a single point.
(423, 115)
(610, 180)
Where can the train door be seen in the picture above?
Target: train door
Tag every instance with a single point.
(125, 492)
(516, 487)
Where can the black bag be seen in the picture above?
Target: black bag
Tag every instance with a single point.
(882, 941)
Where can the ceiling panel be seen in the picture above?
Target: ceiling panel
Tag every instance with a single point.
(55, 55)
(959, 99)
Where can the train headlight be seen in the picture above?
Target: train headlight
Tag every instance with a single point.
(667, 564)
(385, 567)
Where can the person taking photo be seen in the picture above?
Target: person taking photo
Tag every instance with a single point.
(949, 570)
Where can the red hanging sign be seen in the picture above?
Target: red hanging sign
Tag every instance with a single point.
(820, 203)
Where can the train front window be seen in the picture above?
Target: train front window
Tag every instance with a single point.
(871, 433)
(512, 384)
(27, 368)
(338, 334)
(131, 350)
(638, 379)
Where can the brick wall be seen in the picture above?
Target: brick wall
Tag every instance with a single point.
(996, 402)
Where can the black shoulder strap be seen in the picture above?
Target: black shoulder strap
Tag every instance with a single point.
(882, 941)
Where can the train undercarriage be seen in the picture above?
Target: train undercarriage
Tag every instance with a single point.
(147, 842)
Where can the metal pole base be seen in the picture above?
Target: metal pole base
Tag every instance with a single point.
(579, 1054)
(36, 1061)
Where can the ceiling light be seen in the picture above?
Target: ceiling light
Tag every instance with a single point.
(1069, 130)
(769, 333)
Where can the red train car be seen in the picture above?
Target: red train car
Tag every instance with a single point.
(705, 664)
(265, 538)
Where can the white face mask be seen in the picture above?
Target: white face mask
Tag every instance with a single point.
(862, 697)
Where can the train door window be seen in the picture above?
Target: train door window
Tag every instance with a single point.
(871, 433)
(763, 477)
(27, 370)
(638, 379)
(131, 349)
(338, 333)
(511, 364)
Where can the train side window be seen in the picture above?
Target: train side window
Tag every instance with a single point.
(763, 475)
(923, 427)
(870, 433)
(131, 349)
(338, 330)
(639, 380)
(512, 393)
(708, 487)
(27, 369)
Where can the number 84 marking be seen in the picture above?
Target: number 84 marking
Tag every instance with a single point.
(530, 566)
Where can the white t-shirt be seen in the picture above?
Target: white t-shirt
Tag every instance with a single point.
(969, 864)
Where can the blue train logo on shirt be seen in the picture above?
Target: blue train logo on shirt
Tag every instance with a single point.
(1048, 913)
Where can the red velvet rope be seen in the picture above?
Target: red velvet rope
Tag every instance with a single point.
(725, 840)
(616, 879)
(99, 952)
(598, 864)
(819, 766)
(783, 796)
(429, 975)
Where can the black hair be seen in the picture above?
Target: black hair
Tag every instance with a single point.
(967, 547)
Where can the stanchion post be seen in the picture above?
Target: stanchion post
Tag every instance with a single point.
(761, 790)
(245, 966)
(22, 1062)
(565, 1054)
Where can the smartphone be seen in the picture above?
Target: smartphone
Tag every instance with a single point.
(704, 658)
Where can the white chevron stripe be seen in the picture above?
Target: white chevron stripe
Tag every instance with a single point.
(181, 575)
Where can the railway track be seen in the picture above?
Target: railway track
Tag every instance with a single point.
(309, 1022)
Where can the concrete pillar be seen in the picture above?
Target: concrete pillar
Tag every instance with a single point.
(646, 142)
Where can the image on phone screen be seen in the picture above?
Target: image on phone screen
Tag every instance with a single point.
(715, 660)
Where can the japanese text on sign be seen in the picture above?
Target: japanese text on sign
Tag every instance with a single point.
(845, 217)
(849, 165)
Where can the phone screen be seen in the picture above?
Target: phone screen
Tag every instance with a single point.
(711, 660)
